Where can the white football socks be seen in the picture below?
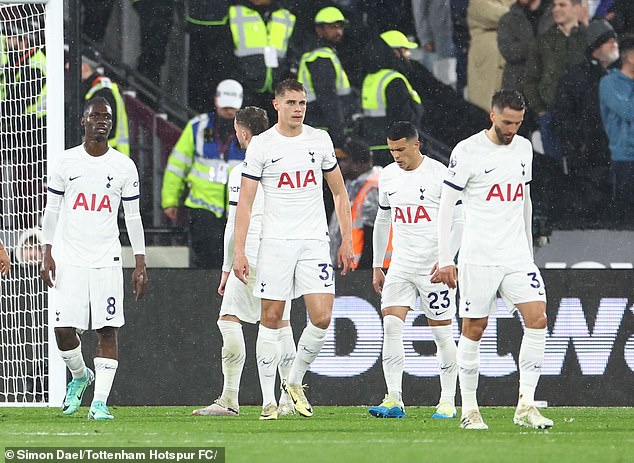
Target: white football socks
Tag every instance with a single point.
(268, 357)
(105, 369)
(447, 351)
(233, 357)
(287, 351)
(393, 356)
(309, 346)
(530, 363)
(468, 358)
(74, 360)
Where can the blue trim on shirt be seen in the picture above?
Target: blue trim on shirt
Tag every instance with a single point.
(233, 203)
(528, 183)
(458, 202)
(130, 198)
(385, 208)
(455, 187)
(61, 193)
(252, 177)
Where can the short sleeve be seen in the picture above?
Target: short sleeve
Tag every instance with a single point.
(131, 188)
(329, 162)
(382, 198)
(235, 178)
(458, 172)
(55, 180)
(253, 161)
(529, 164)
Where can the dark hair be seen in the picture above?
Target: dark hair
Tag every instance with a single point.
(358, 151)
(506, 98)
(288, 85)
(402, 129)
(626, 43)
(253, 118)
(94, 101)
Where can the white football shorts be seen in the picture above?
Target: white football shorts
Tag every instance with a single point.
(240, 302)
(438, 301)
(287, 269)
(479, 285)
(83, 295)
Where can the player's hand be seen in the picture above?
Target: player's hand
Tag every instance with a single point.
(139, 281)
(241, 268)
(223, 283)
(171, 212)
(5, 261)
(47, 271)
(447, 275)
(378, 278)
(345, 258)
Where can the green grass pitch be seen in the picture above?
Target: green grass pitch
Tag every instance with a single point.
(337, 434)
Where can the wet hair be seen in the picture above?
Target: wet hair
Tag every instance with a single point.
(402, 129)
(253, 118)
(288, 85)
(626, 44)
(94, 101)
(506, 98)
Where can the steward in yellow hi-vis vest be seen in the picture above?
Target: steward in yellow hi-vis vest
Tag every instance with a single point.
(328, 93)
(199, 167)
(387, 95)
(261, 36)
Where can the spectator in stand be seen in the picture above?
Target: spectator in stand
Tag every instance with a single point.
(328, 93)
(461, 40)
(155, 24)
(485, 66)
(576, 115)
(209, 50)
(623, 16)
(517, 31)
(554, 52)
(616, 93)
(432, 19)
(387, 94)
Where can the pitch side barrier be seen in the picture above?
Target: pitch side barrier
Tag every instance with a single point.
(170, 346)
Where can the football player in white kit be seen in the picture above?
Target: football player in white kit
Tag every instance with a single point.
(290, 161)
(88, 183)
(238, 302)
(409, 195)
(492, 171)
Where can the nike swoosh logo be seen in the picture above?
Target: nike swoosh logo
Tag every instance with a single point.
(73, 178)
(541, 293)
(326, 285)
(440, 313)
(275, 160)
(109, 318)
(486, 171)
(392, 193)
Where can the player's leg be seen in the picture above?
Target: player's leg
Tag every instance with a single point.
(393, 356)
(287, 357)
(438, 303)
(69, 300)
(106, 308)
(478, 288)
(526, 290)
(268, 354)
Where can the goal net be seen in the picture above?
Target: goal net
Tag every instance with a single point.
(25, 141)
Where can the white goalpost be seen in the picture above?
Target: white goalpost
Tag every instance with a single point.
(31, 131)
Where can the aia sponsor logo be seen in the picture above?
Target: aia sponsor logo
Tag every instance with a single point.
(506, 192)
(92, 203)
(297, 179)
(411, 214)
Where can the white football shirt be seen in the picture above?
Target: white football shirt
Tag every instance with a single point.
(493, 180)
(413, 197)
(290, 170)
(92, 190)
(255, 225)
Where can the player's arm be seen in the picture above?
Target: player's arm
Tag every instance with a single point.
(457, 226)
(228, 241)
(49, 225)
(528, 217)
(345, 256)
(446, 272)
(380, 240)
(5, 261)
(134, 226)
(248, 188)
